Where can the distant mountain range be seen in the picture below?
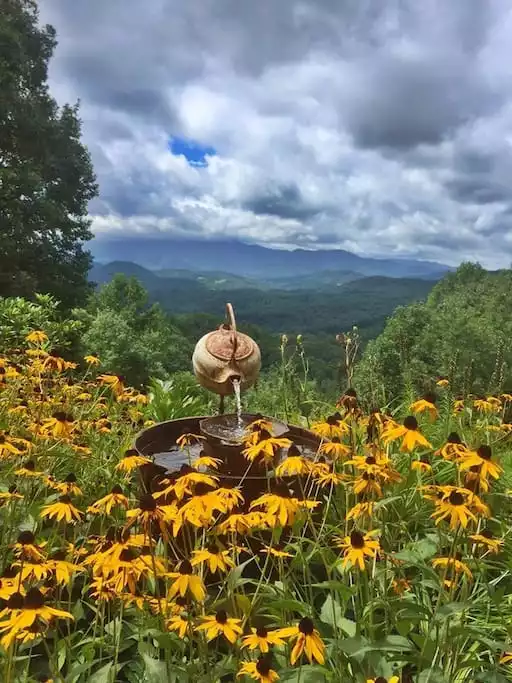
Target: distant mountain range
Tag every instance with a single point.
(256, 262)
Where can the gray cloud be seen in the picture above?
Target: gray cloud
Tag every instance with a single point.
(383, 128)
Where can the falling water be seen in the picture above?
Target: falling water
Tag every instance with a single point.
(236, 388)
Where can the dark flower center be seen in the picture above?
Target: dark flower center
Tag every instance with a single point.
(181, 601)
(487, 533)
(127, 555)
(60, 416)
(456, 498)
(30, 466)
(265, 434)
(60, 555)
(71, 478)
(26, 538)
(65, 499)
(453, 437)
(306, 626)
(430, 397)
(2, 438)
(333, 420)
(380, 679)
(263, 666)
(370, 460)
(12, 488)
(485, 452)
(147, 503)
(221, 617)
(15, 601)
(294, 451)
(475, 469)
(130, 452)
(201, 489)
(261, 632)
(411, 423)
(34, 599)
(185, 567)
(213, 549)
(357, 540)
(116, 490)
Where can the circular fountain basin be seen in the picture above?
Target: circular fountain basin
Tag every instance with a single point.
(222, 440)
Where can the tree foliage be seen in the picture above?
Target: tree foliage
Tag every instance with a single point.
(46, 177)
(461, 332)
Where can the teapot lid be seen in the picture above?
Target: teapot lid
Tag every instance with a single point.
(223, 346)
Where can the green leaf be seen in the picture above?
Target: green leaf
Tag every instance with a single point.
(331, 612)
(307, 674)
(432, 676)
(107, 673)
(156, 670)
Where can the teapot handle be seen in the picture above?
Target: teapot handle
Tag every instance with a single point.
(232, 323)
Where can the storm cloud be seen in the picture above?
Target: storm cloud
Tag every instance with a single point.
(381, 128)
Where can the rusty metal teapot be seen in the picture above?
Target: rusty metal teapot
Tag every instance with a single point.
(226, 355)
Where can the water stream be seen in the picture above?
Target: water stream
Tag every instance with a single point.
(236, 389)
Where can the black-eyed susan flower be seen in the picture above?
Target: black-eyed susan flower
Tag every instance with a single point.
(68, 487)
(307, 641)
(219, 624)
(293, 465)
(442, 382)
(422, 464)
(409, 433)
(427, 404)
(325, 475)
(281, 507)
(60, 425)
(206, 462)
(25, 611)
(62, 510)
(334, 449)
(187, 440)
(28, 469)
(453, 448)
(115, 382)
(131, 461)
(185, 582)
(333, 427)
(361, 510)
(92, 360)
(27, 549)
(7, 447)
(218, 560)
(115, 498)
(239, 522)
(381, 679)
(455, 506)
(179, 624)
(261, 670)
(486, 539)
(149, 515)
(358, 547)
(481, 458)
(452, 564)
(63, 570)
(186, 482)
(261, 639)
(275, 551)
(230, 496)
(266, 448)
(10, 495)
(37, 337)
(367, 485)
(506, 658)
(487, 404)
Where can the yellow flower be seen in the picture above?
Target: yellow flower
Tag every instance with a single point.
(357, 547)
(481, 458)
(485, 538)
(60, 425)
(131, 461)
(260, 670)
(27, 549)
(422, 465)
(115, 382)
(178, 624)
(454, 564)
(364, 509)
(186, 440)
(308, 641)
(442, 382)
(260, 639)
(63, 509)
(266, 449)
(185, 582)
(220, 624)
(409, 433)
(105, 504)
(332, 428)
(30, 609)
(206, 461)
(217, 560)
(281, 508)
(92, 360)
(453, 448)
(37, 337)
(381, 679)
(456, 505)
(427, 404)
(334, 449)
(293, 465)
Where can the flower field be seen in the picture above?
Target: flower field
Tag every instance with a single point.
(385, 559)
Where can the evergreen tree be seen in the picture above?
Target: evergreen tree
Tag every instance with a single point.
(46, 176)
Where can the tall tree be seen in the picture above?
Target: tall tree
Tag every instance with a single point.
(46, 176)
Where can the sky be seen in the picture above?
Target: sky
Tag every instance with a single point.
(383, 128)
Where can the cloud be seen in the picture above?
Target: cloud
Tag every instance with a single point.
(382, 128)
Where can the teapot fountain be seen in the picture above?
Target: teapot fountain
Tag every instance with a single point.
(225, 361)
